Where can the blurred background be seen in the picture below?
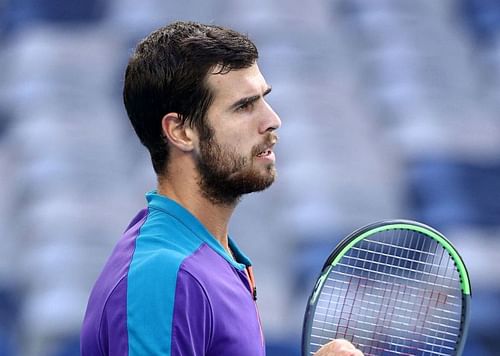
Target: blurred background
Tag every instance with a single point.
(390, 109)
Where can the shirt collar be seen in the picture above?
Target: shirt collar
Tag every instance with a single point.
(174, 209)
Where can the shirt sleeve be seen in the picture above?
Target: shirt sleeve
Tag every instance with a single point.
(192, 318)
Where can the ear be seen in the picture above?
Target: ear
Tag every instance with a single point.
(178, 134)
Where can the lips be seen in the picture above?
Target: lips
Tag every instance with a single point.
(264, 153)
(265, 150)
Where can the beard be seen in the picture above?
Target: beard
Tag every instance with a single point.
(226, 175)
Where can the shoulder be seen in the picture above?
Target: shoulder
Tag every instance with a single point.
(162, 245)
(151, 270)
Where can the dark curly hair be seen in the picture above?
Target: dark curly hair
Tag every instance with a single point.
(168, 72)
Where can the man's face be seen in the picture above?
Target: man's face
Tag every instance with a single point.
(235, 154)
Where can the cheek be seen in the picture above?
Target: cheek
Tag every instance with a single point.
(236, 135)
(238, 142)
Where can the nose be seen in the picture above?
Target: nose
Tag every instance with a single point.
(271, 121)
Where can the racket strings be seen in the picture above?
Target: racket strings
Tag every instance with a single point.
(414, 262)
(395, 293)
(407, 311)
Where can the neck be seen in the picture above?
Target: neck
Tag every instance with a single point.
(215, 217)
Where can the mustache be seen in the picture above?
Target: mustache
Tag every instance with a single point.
(269, 141)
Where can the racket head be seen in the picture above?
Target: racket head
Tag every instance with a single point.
(401, 268)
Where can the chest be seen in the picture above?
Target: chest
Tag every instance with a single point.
(236, 322)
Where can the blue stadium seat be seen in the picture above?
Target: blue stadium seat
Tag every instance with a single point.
(482, 18)
(20, 13)
(447, 192)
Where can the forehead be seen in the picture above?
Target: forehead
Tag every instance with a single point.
(236, 84)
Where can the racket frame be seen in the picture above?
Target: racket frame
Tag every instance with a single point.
(353, 238)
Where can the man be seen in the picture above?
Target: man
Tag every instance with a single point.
(176, 284)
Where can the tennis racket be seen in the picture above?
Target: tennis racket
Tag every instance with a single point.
(394, 287)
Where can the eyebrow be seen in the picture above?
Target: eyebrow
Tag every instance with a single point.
(250, 99)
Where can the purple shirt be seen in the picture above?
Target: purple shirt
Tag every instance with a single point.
(169, 288)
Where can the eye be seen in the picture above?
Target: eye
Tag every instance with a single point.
(247, 106)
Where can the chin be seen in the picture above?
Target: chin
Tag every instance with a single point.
(265, 181)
